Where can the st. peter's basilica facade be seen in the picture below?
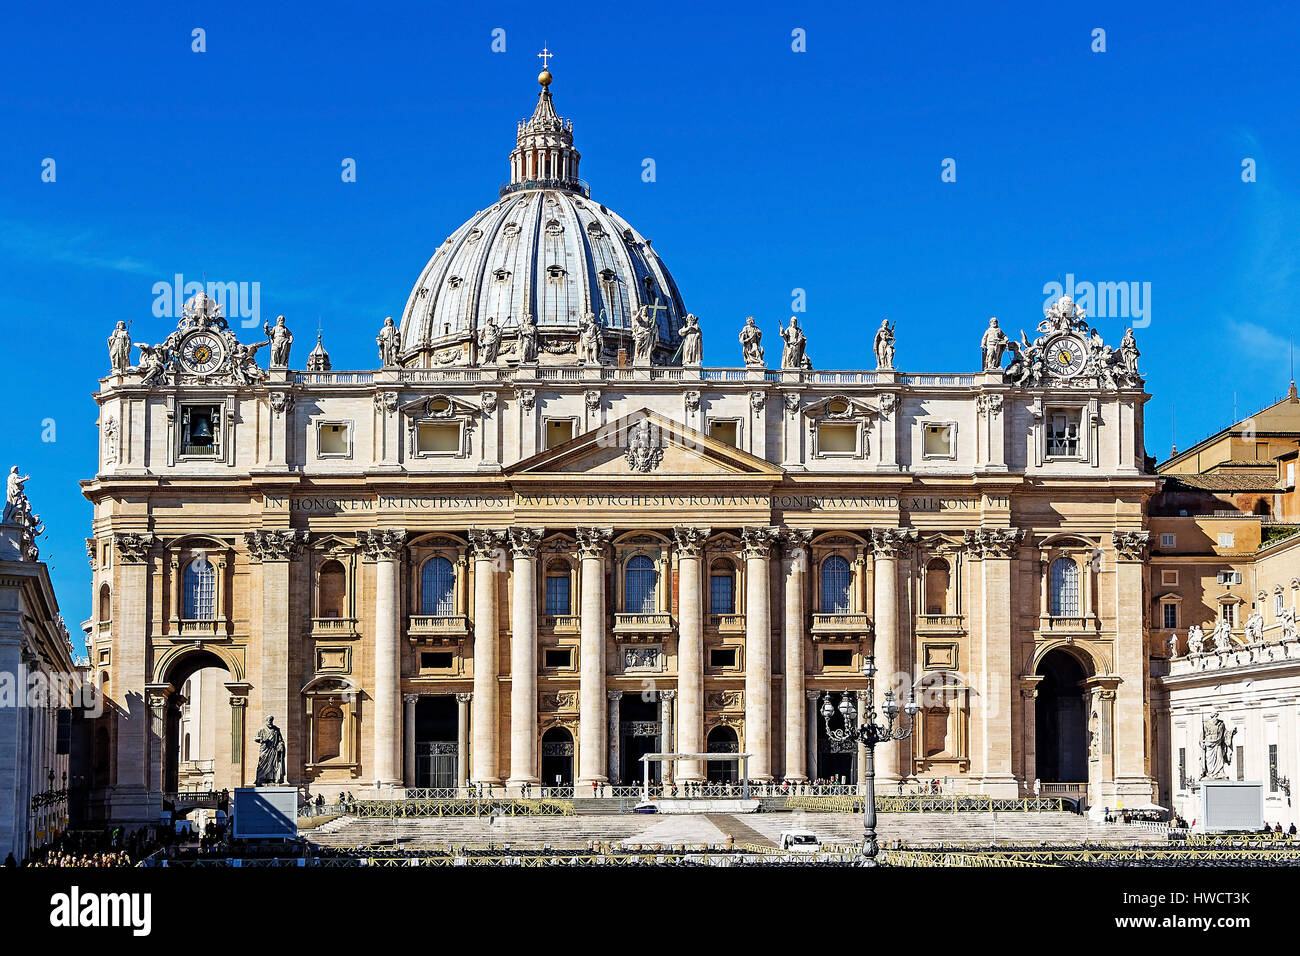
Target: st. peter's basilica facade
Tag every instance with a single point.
(542, 540)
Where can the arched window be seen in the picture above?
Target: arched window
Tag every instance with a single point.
(936, 587)
(836, 580)
(105, 604)
(1063, 588)
(333, 590)
(722, 588)
(437, 588)
(639, 580)
(200, 590)
(558, 603)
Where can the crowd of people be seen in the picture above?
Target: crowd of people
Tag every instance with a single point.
(98, 849)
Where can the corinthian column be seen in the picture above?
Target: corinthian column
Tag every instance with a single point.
(523, 657)
(888, 545)
(488, 553)
(592, 543)
(690, 649)
(384, 547)
(758, 651)
(794, 564)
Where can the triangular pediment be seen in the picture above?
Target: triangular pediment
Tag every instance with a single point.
(645, 445)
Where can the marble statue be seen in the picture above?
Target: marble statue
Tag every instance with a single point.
(244, 369)
(119, 348)
(751, 338)
(152, 363)
(792, 356)
(1173, 644)
(1288, 624)
(16, 504)
(591, 340)
(1195, 639)
(527, 338)
(692, 341)
(489, 342)
(270, 755)
(1222, 634)
(389, 341)
(281, 340)
(1128, 353)
(885, 346)
(1254, 628)
(1216, 748)
(992, 345)
(643, 335)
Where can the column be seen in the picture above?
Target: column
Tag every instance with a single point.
(592, 543)
(812, 698)
(690, 648)
(667, 742)
(128, 797)
(408, 738)
(462, 740)
(488, 553)
(794, 566)
(615, 698)
(523, 656)
(994, 548)
(238, 709)
(274, 550)
(385, 547)
(758, 651)
(1133, 779)
(888, 545)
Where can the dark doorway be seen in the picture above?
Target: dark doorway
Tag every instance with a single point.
(723, 740)
(639, 733)
(180, 769)
(837, 761)
(557, 758)
(1061, 712)
(436, 753)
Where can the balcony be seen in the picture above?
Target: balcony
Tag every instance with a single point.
(333, 627)
(188, 629)
(438, 628)
(940, 624)
(831, 626)
(562, 623)
(654, 623)
(727, 623)
(1069, 625)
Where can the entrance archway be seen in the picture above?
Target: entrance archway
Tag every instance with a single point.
(557, 758)
(723, 740)
(196, 722)
(1061, 719)
(837, 760)
(436, 726)
(639, 733)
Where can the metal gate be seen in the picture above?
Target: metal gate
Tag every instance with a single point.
(435, 764)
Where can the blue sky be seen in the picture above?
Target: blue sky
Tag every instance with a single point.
(775, 170)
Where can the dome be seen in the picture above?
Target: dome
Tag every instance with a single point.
(544, 249)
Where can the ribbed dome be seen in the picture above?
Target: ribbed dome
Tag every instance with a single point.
(545, 249)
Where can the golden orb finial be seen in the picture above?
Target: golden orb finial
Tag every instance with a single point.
(544, 78)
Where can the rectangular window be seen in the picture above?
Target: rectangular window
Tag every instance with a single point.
(1241, 762)
(1171, 616)
(1227, 539)
(558, 431)
(838, 657)
(1278, 605)
(1182, 768)
(837, 439)
(1063, 433)
(1272, 768)
(1169, 578)
(1229, 577)
(937, 441)
(722, 657)
(438, 438)
(1229, 613)
(722, 594)
(436, 660)
(1168, 539)
(334, 439)
(201, 430)
(557, 595)
(557, 657)
(726, 431)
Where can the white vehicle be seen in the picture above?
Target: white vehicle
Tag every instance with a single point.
(799, 841)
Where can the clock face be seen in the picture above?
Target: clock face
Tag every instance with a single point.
(201, 353)
(1065, 357)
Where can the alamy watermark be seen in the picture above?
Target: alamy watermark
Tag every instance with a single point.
(238, 300)
(1105, 300)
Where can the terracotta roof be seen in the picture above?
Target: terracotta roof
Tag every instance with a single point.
(1219, 482)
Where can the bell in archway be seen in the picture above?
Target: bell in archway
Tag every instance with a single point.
(201, 432)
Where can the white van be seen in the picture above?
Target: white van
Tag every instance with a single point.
(799, 841)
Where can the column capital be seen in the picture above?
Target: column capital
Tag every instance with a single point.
(464, 698)
(812, 694)
(613, 695)
(892, 542)
(795, 541)
(486, 543)
(133, 548)
(989, 542)
(593, 541)
(690, 541)
(668, 695)
(275, 544)
(758, 541)
(1130, 545)
(383, 544)
(524, 542)
(411, 698)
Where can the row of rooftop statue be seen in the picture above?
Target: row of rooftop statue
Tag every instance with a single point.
(1066, 347)
(1220, 638)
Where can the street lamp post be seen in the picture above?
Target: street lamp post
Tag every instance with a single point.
(870, 733)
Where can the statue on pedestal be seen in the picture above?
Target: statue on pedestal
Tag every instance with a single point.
(1216, 748)
(1254, 628)
(1173, 644)
(119, 348)
(527, 339)
(1195, 639)
(16, 504)
(489, 342)
(792, 356)
(389, 341)
(643, 335)
(1222, 635)
(281, 339)
(885, 347)
(270, 755)
(751, 338)
(591, 340)
(692, 341)
(992, 345)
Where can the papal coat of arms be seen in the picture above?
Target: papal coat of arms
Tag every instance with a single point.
(645, 449)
